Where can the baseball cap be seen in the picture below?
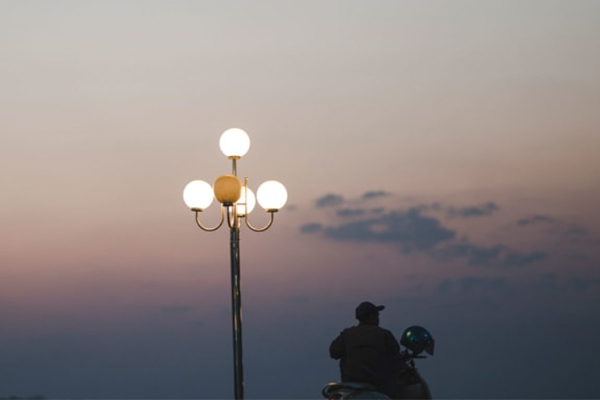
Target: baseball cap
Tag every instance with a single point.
(367, 308)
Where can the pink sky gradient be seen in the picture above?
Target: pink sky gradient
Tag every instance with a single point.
(475, 122)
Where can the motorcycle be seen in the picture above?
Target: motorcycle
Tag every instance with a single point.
(416, 339)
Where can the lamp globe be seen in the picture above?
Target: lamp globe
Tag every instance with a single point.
(272, 195)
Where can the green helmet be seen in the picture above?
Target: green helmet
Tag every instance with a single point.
(416, 339)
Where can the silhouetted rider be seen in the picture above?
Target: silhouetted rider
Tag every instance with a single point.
(368, 353)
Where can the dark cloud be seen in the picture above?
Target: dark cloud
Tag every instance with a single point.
(475, 255)
(583, 284)
(329, 200)
(374, 194)
(350, 212)
(435, 206)
(535, 219)
(474, 211)
(471, 284)
(497, 255)
(576, 230)
(410, 230)
(570, 231)
(311, 227)
(516, 259)
(556, 284)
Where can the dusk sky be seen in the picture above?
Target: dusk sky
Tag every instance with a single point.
(441, 158)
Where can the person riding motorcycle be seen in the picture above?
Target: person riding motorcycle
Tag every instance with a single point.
(369, 353)
(411, 384)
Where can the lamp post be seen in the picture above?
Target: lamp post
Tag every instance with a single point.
(237, 202)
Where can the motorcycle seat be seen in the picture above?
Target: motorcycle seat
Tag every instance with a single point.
(351, 390)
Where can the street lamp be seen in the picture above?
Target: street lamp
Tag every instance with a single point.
(237, 202)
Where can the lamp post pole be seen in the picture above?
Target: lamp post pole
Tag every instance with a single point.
(237, 201)
(236, 311)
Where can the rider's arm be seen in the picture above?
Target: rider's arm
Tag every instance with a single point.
(336, 349)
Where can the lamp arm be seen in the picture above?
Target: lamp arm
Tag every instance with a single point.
(271, 219)
(204, 228)
(233, 220)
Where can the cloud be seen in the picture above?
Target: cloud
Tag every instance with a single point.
(410, 230)
(413, 231)
(474, 211)
(535, 219)
(475, 255)
(329, 200)
(350, 212)
(374, 194)
(311, 227)
(476, 284)
(583, 284)
(579, 284)
(496, 255)
(571, 231)
(576, 230)
(516, 259)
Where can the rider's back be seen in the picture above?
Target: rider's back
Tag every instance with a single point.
(368, 354)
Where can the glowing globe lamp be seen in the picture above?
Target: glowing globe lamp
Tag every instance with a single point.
(272, 195)
(198, 195)
(245, 206)
(234, 143)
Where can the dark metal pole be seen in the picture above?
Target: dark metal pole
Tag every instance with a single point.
(236, 308)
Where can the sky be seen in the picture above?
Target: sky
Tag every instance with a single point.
(440, 159)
